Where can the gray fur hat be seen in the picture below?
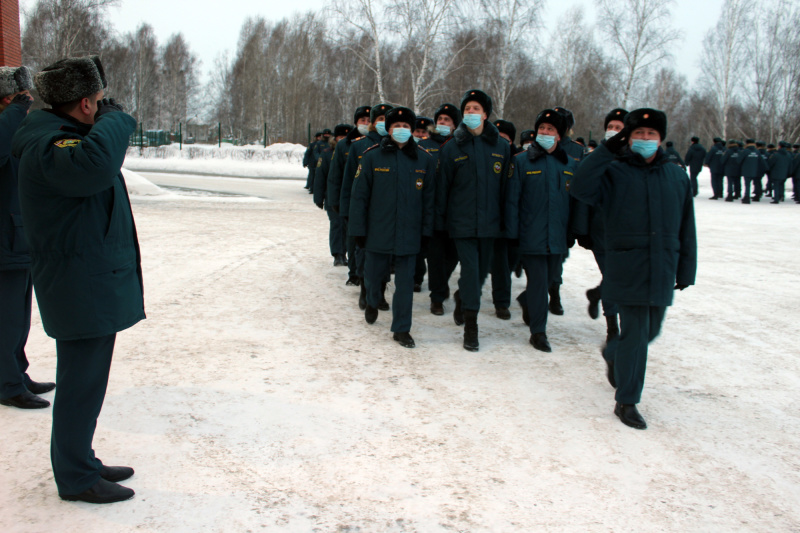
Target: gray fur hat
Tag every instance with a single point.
(70, 79)
(14, 80)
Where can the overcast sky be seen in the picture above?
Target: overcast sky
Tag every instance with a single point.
(213, 26)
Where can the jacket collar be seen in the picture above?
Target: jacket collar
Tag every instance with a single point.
(535, 151)
(388, 145)
(490, 134)
(74, 125)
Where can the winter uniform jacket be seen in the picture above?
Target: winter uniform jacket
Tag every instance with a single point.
(471, 186)
(753, 165)
(796, 166)
(392, 201)
(780, 164)
(321, 175)
(674, 157)
(357, 149)
(86, 264)
(340, 152)
(538, 200)
(433, 144)
(14, 250)
(731, 162)
(714, 158)
(695, 157)
(573, 149)
(648, 211)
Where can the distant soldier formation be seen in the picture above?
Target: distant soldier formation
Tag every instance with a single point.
(411, 195)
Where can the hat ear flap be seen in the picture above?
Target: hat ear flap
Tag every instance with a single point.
(99, 65)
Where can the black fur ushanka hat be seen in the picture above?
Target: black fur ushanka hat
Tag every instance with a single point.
(647, 118)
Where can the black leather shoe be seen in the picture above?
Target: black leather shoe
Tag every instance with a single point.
(525, 316)
(362, 297)
(629, 415)
(417, 287)
(714, 198)
(503, 313)
(101, 492)
(593, 295)
(41, 388)
(539, 341)
(383, 305)
(370, 315)
(353, 281)
(404, 339)
(729, 198)
(555, 300)
(437, 309)
(458, 313)
(26, 400)
(115, 474)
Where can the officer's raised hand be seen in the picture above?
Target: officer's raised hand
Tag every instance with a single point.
(107, 105)
(619, 141)
(25, 100)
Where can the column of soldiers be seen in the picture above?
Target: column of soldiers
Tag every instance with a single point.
(418, 194)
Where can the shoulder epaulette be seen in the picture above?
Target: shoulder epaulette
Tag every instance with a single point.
(372, 147)
(424, 150)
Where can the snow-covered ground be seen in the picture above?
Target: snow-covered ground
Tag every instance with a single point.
(256, 398)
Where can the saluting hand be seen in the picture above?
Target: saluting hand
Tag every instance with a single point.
(24, 100)
(619, 141)
(107, 105)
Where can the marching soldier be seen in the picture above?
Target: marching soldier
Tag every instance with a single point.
(732, 164)
(695, 156)
(753, 167)
(337, 233)
(714, 163)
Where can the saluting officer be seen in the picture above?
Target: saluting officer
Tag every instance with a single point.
(470, 196)
(337, 232)
(635, 187)
(17, 389)
(85, 256)
(391, 213)
(537, 215)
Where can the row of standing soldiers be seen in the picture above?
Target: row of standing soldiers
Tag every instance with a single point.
(400, 192)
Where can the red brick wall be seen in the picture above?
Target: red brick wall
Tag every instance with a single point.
(10, 44)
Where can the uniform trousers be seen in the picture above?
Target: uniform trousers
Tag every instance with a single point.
(442, 261)
(717, 183)
(734, 185)
(639, 325)
(504, 259)
(609, 308)
(82, 375)
(538, 271)
(475, 255)
(693, 178)
(376, 270)
(337, 233)
(16, 291)
(312, 169)
(778, 189)
(756, 183)
(420, 269)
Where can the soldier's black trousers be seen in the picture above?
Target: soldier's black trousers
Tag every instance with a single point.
(609, 308)
(376, 270)
(442, 260)
(504, 260)
(717, 184)
(475, 256)
(82, 376)
(693, 179)
(337, 234)
(756, 182)
(734, 185)
(16, 291)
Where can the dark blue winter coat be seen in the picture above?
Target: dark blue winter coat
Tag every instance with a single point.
(648, 211)
(86, 265)
(538, 200)
(336, 171)
(674, 157)
(695, 157)
(753, 165)
(14, 250)
(714, 158)
(433, 144)
(321, 175)
(392, 201)
(574, 150)
(780, 164)
(357, 149)
(471, 186)
(732, 162)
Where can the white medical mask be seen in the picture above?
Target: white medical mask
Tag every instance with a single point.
(609, 134)
(363, 129)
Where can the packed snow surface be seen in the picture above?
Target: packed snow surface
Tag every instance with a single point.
(256, 398)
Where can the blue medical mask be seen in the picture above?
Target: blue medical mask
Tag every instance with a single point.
(381, 128)
(472, 120)
(644, 148)
(545, 141)
(443, 130)
(400, 135)
(363, 129)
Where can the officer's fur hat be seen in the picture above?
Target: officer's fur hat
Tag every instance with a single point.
(341, 130)
(580, 140)
(326, 131)
(761, 144)
(361, 112)
(451, 111)
(422, 123)
(647, 118)
(695, 139)
(399, 114)
(669, 144)
(552, 117)
(527, 136)
(504, 126)
(749, 141)
(770, 146)
(784, 144)
(476, 95)
(378, 111)
(717, 140)
(569, 118)
(732, 142)
(14, 80)
(615, 114)
(70, 79)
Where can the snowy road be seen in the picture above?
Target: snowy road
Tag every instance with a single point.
(256, 398)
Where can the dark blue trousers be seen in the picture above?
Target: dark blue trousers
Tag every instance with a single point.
(501, 274)
(639, 325)
(310, 179)
(693, 180)
(376, 270)
(734, 185)
(538, 272)
(337, 233)
(756, 182)
(475, 256)
(82, 376)
(16, 290)
(420, 269)
(717, 184)
(609, 308)
(778, 189)
(442, 260)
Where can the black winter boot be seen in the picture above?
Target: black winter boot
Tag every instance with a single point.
(555, 299)
(362, 298)
(612, 328)
(470, 330)
(370, 315)
(593, 295)
(458, 314)
(383, 305)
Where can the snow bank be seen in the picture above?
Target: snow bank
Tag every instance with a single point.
(140, 186)
(280, 160)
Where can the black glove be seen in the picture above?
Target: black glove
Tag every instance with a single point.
(361, 241)
(680, 287)
(335, 209)
(441, 234)
(107, 105)
(321, 205)
(585, 241)
(23, 99)
(619, 141)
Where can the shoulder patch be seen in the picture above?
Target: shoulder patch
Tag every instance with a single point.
(67, 143)
(498, 167)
